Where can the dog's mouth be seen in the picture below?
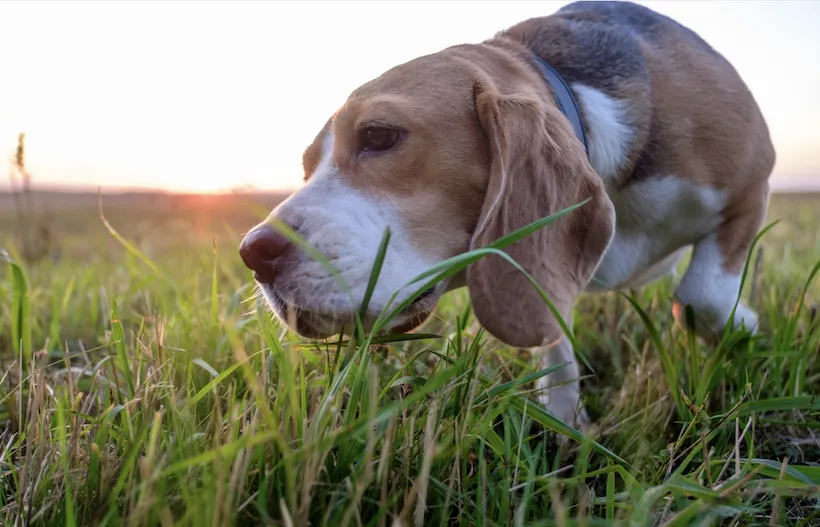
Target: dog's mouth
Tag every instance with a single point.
(425, 294)
(315, 324)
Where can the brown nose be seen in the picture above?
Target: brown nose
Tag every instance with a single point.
(260, 249)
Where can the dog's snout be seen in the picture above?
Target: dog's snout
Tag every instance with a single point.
(260, 249)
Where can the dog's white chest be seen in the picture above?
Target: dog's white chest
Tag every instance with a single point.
(656, 219)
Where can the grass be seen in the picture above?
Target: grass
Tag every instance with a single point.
(143, 384)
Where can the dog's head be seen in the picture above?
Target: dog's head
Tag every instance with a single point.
(451, 151)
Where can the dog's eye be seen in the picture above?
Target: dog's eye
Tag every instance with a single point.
(377, 138)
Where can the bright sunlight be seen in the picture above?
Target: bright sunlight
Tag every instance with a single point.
(208, 96)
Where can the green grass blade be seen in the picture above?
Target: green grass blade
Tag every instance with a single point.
(132, 250)
(118, 342)
(214, 309)
(375, 272)
(70, 506)
(216, 381)
(57, 312)
(546, 419)
(729, 326)
(20, 311)
(780, 404)
(667, 363)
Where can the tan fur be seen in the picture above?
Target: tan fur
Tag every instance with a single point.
(537, 170)
(743, 219)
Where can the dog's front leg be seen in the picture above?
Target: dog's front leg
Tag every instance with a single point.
(560, 391)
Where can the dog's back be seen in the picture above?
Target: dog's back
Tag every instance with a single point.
(690, 112)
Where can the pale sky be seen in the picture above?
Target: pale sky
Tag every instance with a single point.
(205, 96)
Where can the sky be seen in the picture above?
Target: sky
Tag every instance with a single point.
(209, 96)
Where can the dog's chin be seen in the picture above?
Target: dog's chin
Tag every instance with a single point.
(314, 325)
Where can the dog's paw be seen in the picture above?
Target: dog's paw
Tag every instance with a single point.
(746, 317)
(710, 324)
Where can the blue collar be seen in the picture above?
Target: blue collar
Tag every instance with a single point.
(566, 101)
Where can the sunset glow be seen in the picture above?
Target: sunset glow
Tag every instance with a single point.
(208, 96)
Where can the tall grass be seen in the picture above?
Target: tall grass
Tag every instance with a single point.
(145, 384)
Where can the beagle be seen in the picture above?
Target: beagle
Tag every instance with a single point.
(609, 102)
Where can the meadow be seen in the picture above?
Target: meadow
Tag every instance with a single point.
(142, 383)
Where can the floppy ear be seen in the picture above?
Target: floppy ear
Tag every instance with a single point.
(538, 167)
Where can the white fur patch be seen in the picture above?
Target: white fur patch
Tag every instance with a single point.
(346, 225)
(655, 218)
(711, 290)
(610, 135)
(665, 267)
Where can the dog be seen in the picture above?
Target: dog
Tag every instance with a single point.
(607, 103)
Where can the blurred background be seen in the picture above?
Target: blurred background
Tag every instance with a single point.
(200, 111)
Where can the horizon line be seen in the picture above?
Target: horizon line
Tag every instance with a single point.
(787, 186)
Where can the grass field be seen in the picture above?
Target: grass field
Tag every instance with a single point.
(142, 384)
